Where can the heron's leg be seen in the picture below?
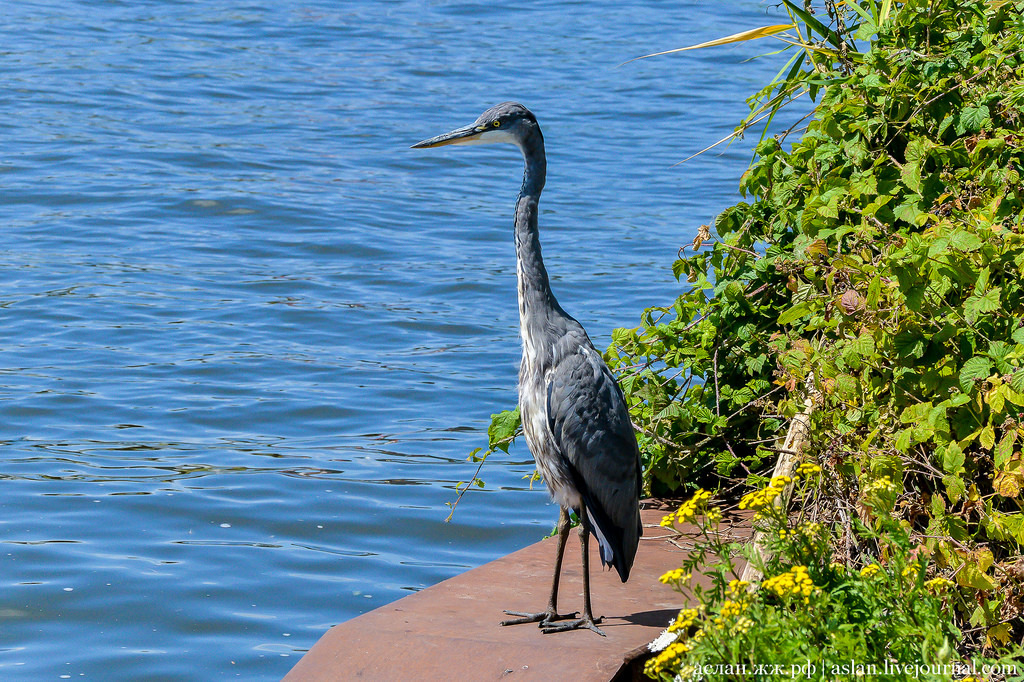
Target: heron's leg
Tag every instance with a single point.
(587, 621)
(545, 617)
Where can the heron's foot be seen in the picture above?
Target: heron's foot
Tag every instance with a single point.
(544, 618)
(585, 623)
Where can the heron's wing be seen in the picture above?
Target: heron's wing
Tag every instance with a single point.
(590, 426)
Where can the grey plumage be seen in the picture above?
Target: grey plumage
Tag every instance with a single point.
(574, 415)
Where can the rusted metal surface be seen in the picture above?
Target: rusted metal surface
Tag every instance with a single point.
(450, 631)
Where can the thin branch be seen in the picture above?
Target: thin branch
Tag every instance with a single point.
(755, 254)
(462, 492)
(739, 131)
(718, 399)
(663, 441)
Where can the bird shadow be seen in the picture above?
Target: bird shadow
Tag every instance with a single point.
(656, 618)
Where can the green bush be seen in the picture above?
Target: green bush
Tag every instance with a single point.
(875, 266)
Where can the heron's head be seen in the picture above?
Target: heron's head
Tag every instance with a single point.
(506, 122)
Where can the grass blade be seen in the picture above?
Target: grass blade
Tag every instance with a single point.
(815, 25)
(751, 34)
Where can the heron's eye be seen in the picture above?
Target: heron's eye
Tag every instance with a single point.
(496, 124)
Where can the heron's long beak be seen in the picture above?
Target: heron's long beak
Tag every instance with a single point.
(467, 135)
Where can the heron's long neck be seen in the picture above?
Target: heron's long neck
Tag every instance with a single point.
(536, 302)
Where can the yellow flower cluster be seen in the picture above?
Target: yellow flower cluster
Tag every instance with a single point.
(666, 657)
(812, 533)
(677, 576)
(795, 583)
(838, 566)
(759, 499)
(882, 485)
(683, 644)
(742, 626)
(909, 573)
(809, 532)
(738, 599)
(685, 619)
(732, 608)
(807, 469)
(736, 588)
(870, 571)
(939, 585)
(688, 510)
(810, 529)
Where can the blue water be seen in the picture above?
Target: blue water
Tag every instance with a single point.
(249, 337)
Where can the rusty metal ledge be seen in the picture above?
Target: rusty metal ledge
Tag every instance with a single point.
(450, 631)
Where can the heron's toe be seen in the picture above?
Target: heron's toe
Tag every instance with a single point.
(585, 623)
(543, 619)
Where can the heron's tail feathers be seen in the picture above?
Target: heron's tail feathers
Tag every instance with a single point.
(618, 543)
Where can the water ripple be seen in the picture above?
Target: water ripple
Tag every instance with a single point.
(249, 337)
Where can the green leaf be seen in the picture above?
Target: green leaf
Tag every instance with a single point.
(972, 119)
(904, 439)
(991, 146)
(503, 429)
(817, 248)
(986, 303)
(955, 487)
(981, 284)
(795, 313)
(846, 386)
(915, 413)
(956, 400)
(965, 241)
(863, 345)
(865, 184)
(874, 290)
(977, 368)
(910, 210)
(998, 351)
(971, 575)
(937, 418)
(876, 205)
(1014, 525)
(673, 409)
(987, 439)
(996, 399)
(1004, 451)
(909, 345)
(952, 458)
(911, 176)
(944, 125)
(917, 149)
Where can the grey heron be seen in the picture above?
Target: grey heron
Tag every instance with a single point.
(573, 412)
